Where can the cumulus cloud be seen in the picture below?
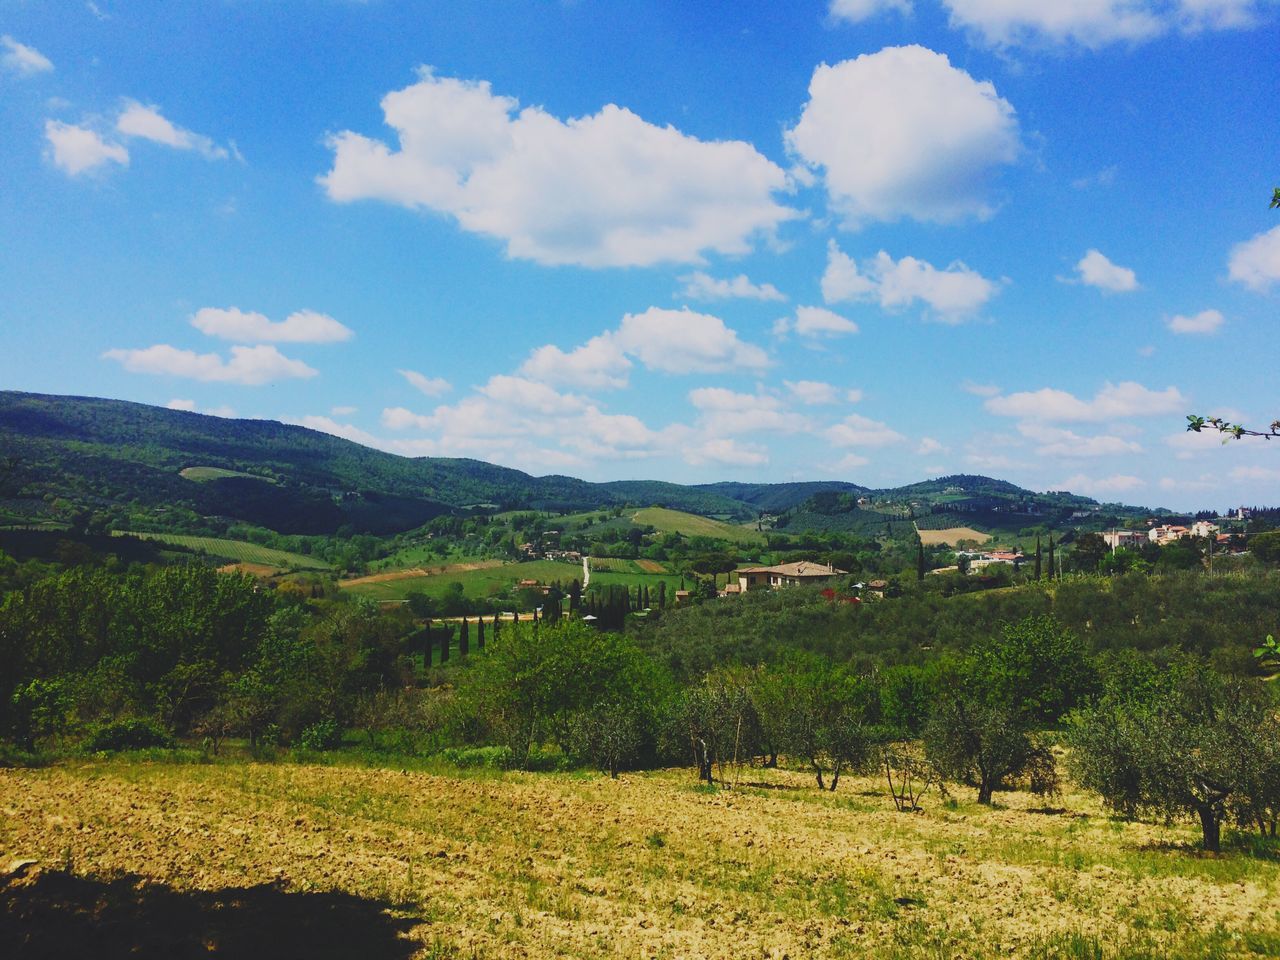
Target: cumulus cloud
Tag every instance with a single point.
(727, 452)
(1057, 442)
(702, 286)
(727, 412)
(1102, 486)
(1095, 270)
(815, 322)
(604, 190)
(76, 150)
(21, 59)
(903, 133)
(1256, 262)
(1094, 23)
(855, 11)
(1206, 321)
(815, 392)
(669, 341)
(302, 326)
(147, 123)
(952, 293)
(248, 365)
(431, 386)
(1112, 402)
(856, 430)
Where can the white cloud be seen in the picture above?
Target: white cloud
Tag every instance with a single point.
(815, 392)
(431, 386)
(1206, 321)
(248, 365)
(928, 445)
(1256, 262)
(190, 407)
(1117, 483)
(1057, 442)
(302, 326)
(728, 452)
(816, 322)
(1095, 270)
(1268, 474)
(1094, 23)
(1112, 402)
(21, 59)
(855, 11)
(599, 363)
(78, 150)
(952, 293)
(603, 190)
(903, 133)
(530, 395)
(980, 389)
(726, 412)
(856, 430)
(346, 431)
(854, 395)
(343, 411)
(702, 286)
(147, 123)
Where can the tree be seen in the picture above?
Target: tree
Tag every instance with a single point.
(1266, 546)
(1038, 557)
(1183, 742)
(1090, 548)
(920, 560)
(1051, 570)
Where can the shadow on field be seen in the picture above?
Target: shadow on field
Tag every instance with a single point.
(55, 914)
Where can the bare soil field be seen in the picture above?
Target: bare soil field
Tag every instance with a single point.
(952, 535)
(651, 566)
(649, 865)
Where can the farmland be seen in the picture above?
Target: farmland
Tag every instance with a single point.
(483, 580)
(952, 536)
(236, 550)
(692, 525)
(205, 474)
(431, 862)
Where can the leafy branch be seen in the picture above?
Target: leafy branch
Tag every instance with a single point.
(1234, 431)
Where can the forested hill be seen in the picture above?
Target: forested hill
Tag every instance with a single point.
(102, 454)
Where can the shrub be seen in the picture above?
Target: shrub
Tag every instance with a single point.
(133, 734)
(321, 735)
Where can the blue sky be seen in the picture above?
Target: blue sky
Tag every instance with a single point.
(874, 240)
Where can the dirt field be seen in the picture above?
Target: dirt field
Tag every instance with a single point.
(414, 573)
(651, 566)
(952, 535)
(543, 866)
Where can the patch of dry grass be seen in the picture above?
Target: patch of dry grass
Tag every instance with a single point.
(651, 865)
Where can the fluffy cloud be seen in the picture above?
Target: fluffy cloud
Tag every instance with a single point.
(603, 190)
(855, 11)
(431, 386)
(1112, 402)
(727, 452)
(815, 322)
(302, 326)
(903, 133)
(1057, 442)
(726, 412)
(815, 392)
(670, 341)
(147, 123)
(701, 286)
(248, 365)
(859, 431)
(1094, 23)
(23, 60)
(1206, 321)
(1095, 270)
(1118, 483)
(76, 150)
(1256, 262)
(952, 293)
(928, 445)
(346, 431)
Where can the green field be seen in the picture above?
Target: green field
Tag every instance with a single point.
(487, 582)
(236, 551)
(204, 474)
(692, 525)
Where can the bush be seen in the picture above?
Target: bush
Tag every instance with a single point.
(489, 758)
(322, 735)
(132, 734)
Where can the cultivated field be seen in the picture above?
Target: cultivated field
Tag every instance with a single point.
(952, 535)
(493, 865)
(204, 474)
(236, 550)
(692, 525)
(481, 580)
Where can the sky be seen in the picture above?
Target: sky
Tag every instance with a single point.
(870, 240)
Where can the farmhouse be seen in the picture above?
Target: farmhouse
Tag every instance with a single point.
(1123, 538)
(785, 575)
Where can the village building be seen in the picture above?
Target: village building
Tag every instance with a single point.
(786, 575)
(1115, 539)
(1165, 533)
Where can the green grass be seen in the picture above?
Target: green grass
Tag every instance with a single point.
(237, 551)
(475, 583)
(205, 474)
(692, 525)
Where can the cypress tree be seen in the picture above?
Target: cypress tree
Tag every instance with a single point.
(1051, 570)
(446, 635)
(464, 638)
(1037, 556)
(920, 560)
(662, 594)
(480, 632)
